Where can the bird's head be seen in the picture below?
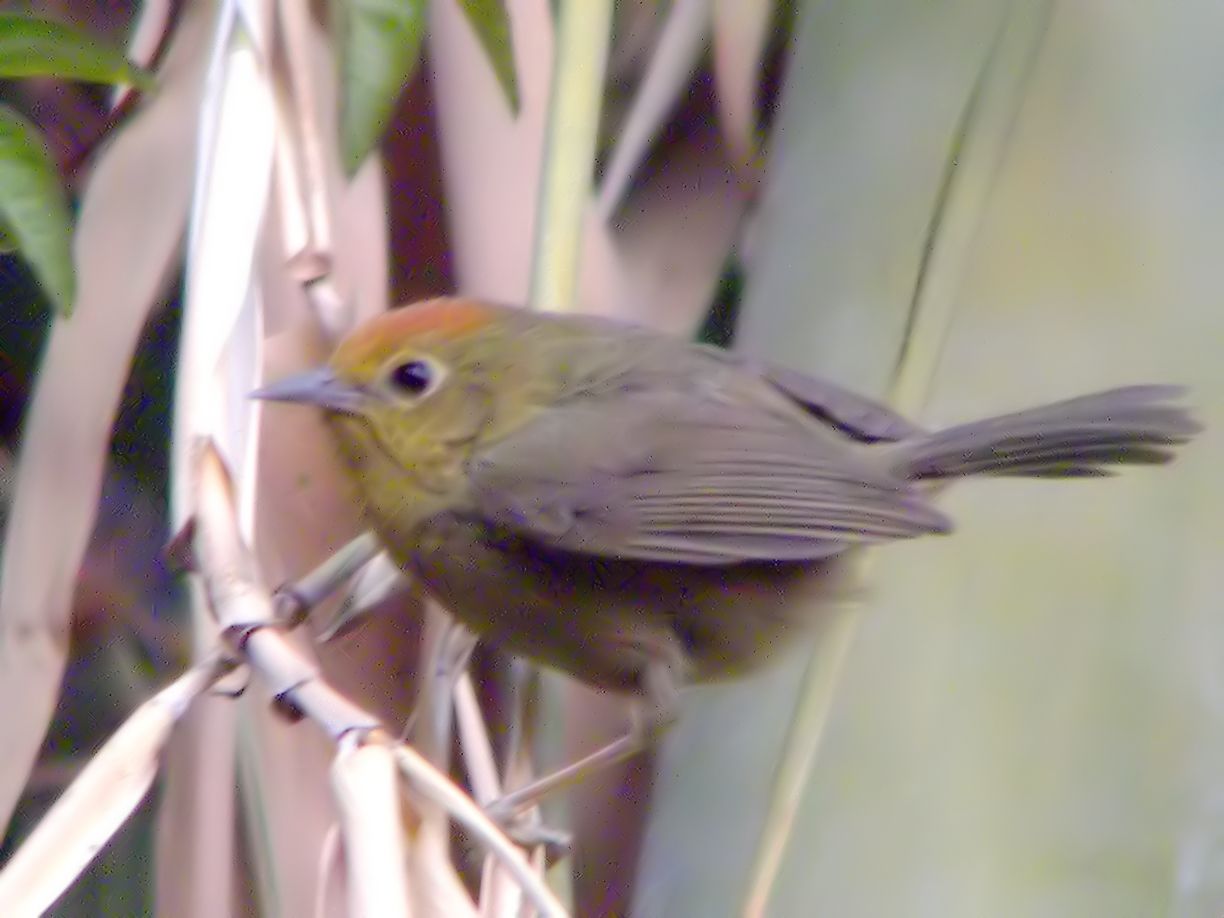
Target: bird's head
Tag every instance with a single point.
(415, 388)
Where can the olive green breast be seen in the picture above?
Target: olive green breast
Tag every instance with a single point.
(604, 620)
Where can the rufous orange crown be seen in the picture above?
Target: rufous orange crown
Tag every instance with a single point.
(372, 341)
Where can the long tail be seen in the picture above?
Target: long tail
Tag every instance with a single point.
(1078, 437)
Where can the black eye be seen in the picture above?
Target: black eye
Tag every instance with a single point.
(413, 376)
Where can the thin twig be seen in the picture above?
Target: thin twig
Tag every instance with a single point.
(474, 740)
(244, 609)
(364, 778)
(434, 785)
(376, 582)
(295, 601)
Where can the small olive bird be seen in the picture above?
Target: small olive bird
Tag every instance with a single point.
(640, 511)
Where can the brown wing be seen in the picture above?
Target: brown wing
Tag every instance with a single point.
(691, 477)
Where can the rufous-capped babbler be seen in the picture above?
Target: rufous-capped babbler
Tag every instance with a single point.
(640, 511)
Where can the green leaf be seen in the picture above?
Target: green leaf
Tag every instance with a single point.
(379, 44)
(34, 209)
(43, 47)
(7, 243)
(492, 26)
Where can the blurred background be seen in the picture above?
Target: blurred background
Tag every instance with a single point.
(966, 205)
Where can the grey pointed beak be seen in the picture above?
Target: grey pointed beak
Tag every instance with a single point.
(314, 387)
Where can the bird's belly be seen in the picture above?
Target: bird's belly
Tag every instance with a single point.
(604, 620)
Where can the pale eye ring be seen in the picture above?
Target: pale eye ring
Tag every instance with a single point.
(412, 377)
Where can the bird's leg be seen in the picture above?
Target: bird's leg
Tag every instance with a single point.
(294, 601)
(655, 712)
(640, 736)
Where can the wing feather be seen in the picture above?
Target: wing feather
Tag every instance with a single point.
(692, 478)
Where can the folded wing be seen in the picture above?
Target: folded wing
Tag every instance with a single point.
(690, 478)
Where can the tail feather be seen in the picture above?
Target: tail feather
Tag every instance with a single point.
(1077, 437)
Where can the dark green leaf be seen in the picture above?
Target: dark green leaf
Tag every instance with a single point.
(7, 242)
(33, 207)
(492, 26)
(379, 44)
(43, 47)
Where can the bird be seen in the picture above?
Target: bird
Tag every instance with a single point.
(641, 511)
